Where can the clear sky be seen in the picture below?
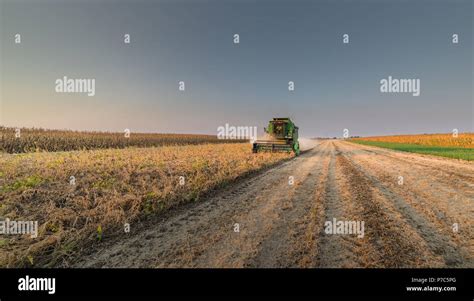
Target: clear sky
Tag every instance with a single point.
(337, 85)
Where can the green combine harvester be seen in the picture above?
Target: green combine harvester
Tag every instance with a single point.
(282, 136)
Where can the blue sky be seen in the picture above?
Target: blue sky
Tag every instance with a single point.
(337, 85)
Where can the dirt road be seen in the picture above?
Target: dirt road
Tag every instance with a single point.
(409, 221)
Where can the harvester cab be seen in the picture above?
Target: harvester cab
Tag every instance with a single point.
(280, 135)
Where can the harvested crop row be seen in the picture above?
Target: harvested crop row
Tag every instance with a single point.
(82, 197)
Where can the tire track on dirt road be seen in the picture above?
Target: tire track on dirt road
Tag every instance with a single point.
(291, 242)
(442, 204)
(439, 244)
(267, 233)
(388, 243)
(335, 250)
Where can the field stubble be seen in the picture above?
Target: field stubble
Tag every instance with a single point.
(112, 187)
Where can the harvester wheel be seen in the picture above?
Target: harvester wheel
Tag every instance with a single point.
(296, 148)
(254, 148)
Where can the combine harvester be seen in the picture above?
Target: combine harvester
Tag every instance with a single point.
(281, 136)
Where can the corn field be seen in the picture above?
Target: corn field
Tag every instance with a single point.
(462, 140)
(26, 140)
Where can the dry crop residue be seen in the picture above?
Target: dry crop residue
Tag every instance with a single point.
(407, 224)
